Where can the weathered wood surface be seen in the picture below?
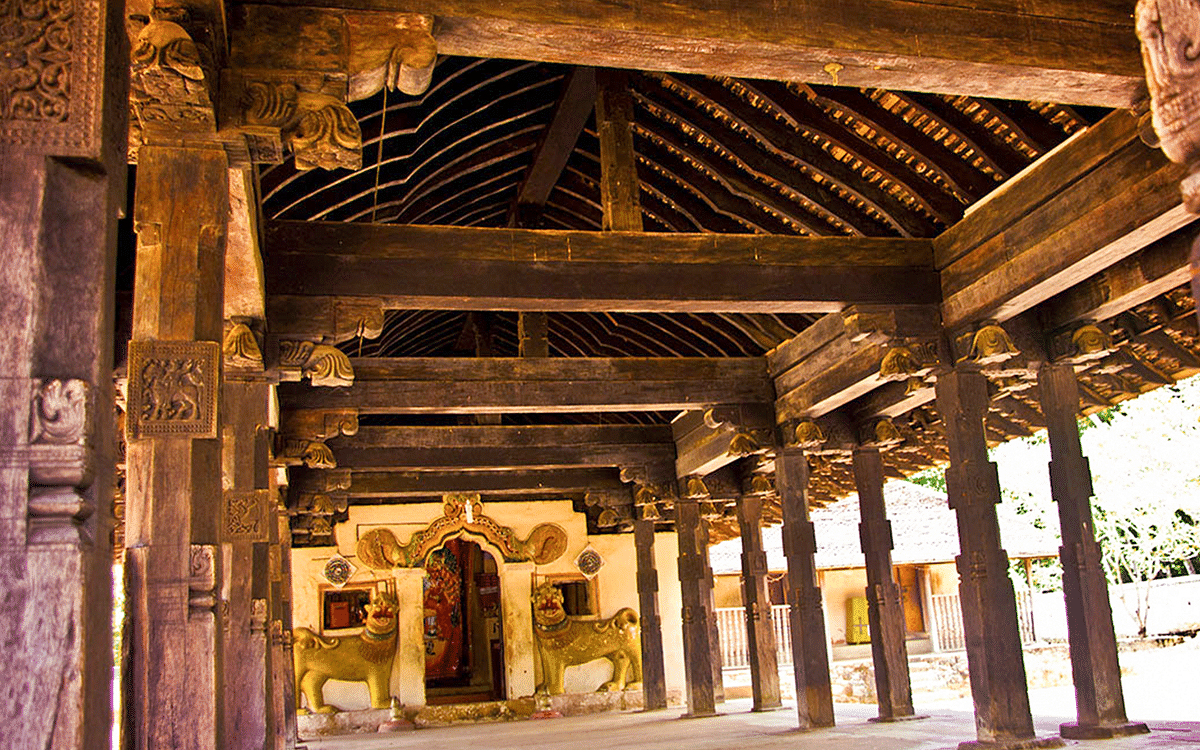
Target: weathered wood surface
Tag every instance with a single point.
(420, 267)
(885, 614)
(498, 385)
(706, 440)
(1099, 198)
(989, 605)
(558, 141)
(760, 626)
(173, 505)
(486, 446)
(810, 659)
(654, 680)
(694, 593)
(395, 484)
(838, 359)
(1095, 670)
(59, 230)
(620, 192)
(1049, 50)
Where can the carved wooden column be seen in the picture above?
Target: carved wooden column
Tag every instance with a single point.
(989, 605)
(62, 183)
(247, 509)
(693, 562)
(810, 655)
(283, 681)
(760, 631)
(654, 681)
(174, 501)
(884, 612)
(1099, 701)
(1169, 31)
(714, 631)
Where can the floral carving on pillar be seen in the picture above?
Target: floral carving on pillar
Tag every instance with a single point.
(1170, 35)
(171, 81)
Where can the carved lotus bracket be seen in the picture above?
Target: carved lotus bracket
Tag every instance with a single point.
(171, 84)
(319, 129)
(311, 453)
(324, 365)
(241, 349)
(320, 424)
(1170, 34)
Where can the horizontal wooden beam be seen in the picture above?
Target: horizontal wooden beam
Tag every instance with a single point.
(544, 384)
(380, 484)
(503, 447)
(424, 267)
(707, 440)
(1097, 199)
(1083, 52)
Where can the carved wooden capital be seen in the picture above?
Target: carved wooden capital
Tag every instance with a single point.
(1170, 34)
(880, 433)
(1087, 343)
(318, 128)
(989, 344)
(241, 349)
(393, 50)
(171, 83)
(805, 434)
(320, 363)
(320, 424)
(172, 389)
(312, 453)
(60, 433)
(693, 488)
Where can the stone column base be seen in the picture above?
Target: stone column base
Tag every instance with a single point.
(1026, 744)
(1075, 731)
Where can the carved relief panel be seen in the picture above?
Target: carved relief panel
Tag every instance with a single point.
(173, 389)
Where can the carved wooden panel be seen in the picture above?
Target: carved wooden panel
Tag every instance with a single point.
(173, 389)
(53, 53)
(246, 515)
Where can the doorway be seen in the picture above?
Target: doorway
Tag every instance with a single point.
(463, 626)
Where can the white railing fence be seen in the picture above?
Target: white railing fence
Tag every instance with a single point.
(735, 651)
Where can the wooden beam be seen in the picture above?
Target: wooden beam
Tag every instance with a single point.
(423, 267)
(1049, 50)
(488, 447)
(574, 107)
(620, 200)
(839, 358)
(1141, 277)
(707, 440)
(499, 385)
(380, 484)
(1098, 198)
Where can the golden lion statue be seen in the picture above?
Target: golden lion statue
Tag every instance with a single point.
(563, 642)
(365, 658)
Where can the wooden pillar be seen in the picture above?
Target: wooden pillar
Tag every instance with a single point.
(620, 196)
(714, 630)
(283, 681)
(989, 604)
(533, 334)
(760, 631)
(62, 185)
(693, 564)
(173, 503)
(885, 615)
(247, 510)
(654, 678)
(1099, 701)
(810, 655)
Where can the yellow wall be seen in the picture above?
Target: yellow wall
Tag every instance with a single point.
(616, 584)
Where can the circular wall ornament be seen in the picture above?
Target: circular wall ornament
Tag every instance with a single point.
(547, 542)
(589, 562)
(338, 570)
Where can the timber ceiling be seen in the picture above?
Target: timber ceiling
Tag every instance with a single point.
(714, 155)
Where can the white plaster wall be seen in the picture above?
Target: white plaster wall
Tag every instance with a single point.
(616, 582)
(1174, 607)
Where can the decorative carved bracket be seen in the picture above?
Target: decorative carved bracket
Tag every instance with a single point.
(1087, 343)
(1170, 34)
(320, 424)
(319, 129)
(880, 433)
(311, 453)
(397, 51)
(989, 344)
(242, 348)
(172, 82)
(322, 364)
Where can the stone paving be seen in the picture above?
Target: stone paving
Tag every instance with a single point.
(1159, 688)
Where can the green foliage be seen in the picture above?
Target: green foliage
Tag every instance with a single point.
(934, 479)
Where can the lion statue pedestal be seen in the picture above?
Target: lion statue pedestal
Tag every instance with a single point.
(363, 658)
(563, 642)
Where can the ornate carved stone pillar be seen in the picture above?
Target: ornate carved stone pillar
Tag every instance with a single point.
(62, 183)
(693, 562)
(810, 655)
(174, 498)
(989, 604)
(654, 682)
(760, 631)
(1099, 701)
(884, 612)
